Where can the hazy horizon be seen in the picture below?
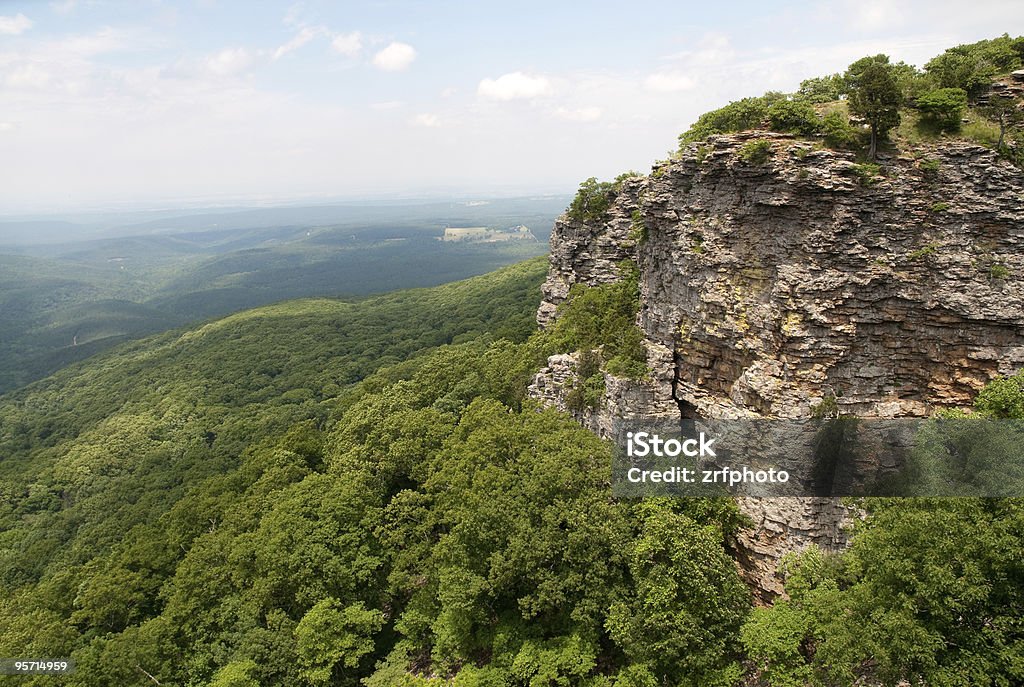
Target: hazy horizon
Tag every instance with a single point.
(137, 105)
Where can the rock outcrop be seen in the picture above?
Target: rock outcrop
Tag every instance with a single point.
(774, 279)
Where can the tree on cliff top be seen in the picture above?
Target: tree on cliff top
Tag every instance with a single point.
(1005, 112)
(875, 95)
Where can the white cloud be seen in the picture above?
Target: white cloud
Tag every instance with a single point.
(582, 114)
(872, 15)
(387, 105)
(668, 82)
(395, 57)
(711, 48)
(300, 39)
(348, 44)
(426, 119)
(28, 76)
(514, 86)
(64, 7)
(12, 26)
(293, 17)
(230, 61)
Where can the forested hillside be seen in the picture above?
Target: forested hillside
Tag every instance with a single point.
(65, 301)
(223, 506)
(321, 493)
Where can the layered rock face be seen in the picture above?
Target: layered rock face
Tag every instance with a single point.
(772, 280)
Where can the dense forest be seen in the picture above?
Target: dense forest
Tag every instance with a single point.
(329, 492)
(326, 493)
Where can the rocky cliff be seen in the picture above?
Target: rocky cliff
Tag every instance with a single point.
(776, 275)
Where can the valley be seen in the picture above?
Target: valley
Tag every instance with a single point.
(64, 301)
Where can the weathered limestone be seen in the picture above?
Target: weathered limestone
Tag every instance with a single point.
(769, 287)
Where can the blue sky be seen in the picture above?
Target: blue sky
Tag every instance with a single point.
(115, 104)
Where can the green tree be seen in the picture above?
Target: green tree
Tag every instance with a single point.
(838, 131)
(930, 592)
(1003, 398)
(332, 641)
(236, 674)
(973, 66)
(822, 89)
(794, 116)
(944, 107)
(875, 95)
(682, 621)
(910, 80)
(740, 115)
(591, 200)
(1006, 112)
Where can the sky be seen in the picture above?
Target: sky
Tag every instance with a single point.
(149, 103)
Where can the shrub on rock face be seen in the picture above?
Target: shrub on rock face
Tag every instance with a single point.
(592, 200)
(756, 152)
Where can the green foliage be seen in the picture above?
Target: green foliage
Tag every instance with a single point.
(929, 168)
(923, 252)
(867, 173)
(603, 317)
(911, 81)
(875, 95)
(939, 206)
(740, 115)
(773, 638)
(638, 227)
(997, 271)
(822, 89)
(876, 90)
(930, 592)
(332, 641)
(668, 624)
(972, 67)
(1002, 398)
(838, 131)
(828, 407)
(944, 107)
(794, 116)
(418, 521)
(236, 674)
(756, 152)
(589, 388)
(591, 200)
(697, 243)
(128, 483)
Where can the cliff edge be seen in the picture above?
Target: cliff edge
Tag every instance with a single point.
(776, 275)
